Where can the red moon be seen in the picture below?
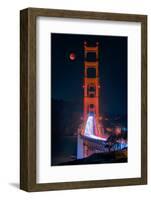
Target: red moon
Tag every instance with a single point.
(72, 56)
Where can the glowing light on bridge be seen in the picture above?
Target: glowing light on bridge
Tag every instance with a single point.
(90, 129)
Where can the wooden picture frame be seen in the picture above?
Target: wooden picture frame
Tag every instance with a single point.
(28, 98)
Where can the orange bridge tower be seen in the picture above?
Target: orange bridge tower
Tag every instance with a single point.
(91, 135)
(92, 86)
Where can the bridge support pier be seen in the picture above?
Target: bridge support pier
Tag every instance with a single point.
(80, 147)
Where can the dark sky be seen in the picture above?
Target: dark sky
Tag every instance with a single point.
(67, 75)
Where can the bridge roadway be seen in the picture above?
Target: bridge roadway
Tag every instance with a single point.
(90, 129)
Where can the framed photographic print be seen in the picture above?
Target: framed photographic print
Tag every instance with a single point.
(83, 99)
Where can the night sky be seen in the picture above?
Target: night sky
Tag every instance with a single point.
(67, 75)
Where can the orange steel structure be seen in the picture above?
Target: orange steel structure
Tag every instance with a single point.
(92, 86)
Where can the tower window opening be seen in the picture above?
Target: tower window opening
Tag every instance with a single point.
(91, 94)
(91, 56)
(91, 109)
(91, 73)
(91, 105)
(91, 91)
(92, 88)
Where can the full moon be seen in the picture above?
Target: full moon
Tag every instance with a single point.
(72, 56)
